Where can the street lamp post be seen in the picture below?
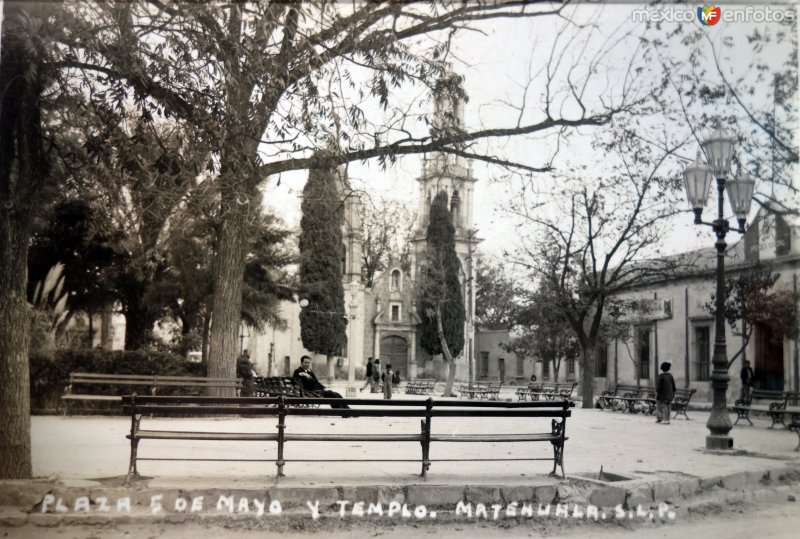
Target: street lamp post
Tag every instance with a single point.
(719, 151)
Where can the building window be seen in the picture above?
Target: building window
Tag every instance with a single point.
(483, 366)
(545, 369)
(395, 280)
(643, 347)
(455, 204)
(520, 366)
(702, 352)
(395, 313)
(601, 361)
(571, 367)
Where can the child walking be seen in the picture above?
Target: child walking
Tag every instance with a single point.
(387, 382)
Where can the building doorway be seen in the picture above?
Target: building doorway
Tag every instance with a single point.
(501, 365)
(394, 352)
(769, 359)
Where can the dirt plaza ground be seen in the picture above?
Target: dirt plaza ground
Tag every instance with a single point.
(83, 448)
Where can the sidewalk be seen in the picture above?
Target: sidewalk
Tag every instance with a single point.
(88, 456)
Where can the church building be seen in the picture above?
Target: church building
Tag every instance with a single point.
(383, 319)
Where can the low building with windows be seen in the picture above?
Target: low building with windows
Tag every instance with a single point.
(677, 326)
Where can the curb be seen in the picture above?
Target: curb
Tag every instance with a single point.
(48, 503)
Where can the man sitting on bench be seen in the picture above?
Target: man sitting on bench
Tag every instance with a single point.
(305, 378)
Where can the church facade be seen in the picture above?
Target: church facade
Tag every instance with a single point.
(383, 319)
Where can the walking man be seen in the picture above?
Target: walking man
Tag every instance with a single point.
(746, 375)
(665, 391)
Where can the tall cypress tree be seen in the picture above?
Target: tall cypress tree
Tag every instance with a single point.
(441, 297)
(322, 322)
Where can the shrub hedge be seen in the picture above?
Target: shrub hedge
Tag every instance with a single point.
(49, 376)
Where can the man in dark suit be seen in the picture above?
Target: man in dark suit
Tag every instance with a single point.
(305, 378)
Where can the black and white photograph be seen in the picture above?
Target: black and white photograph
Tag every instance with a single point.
(446, 268)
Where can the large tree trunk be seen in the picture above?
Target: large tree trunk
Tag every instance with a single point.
(448, 357)
(23, 174)
(139, 324)
(15, 422)
(229, 266)
(107, 329)
(587, 375)
(206, 338)
(451, 376)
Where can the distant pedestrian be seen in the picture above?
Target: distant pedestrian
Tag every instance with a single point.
(368, 376)
(387, 382)
(746, 375)
(376, 376)
(665, 391)
(247, 372)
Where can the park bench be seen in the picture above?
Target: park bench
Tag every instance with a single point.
(609, 399)
(289, 411)
(629, 397)
(553, 391)
(776, 404)
(277, 386)
(523, 393)
(680, 402)
(111, 387)
(421, 386)
(794, 425)
(480, 390)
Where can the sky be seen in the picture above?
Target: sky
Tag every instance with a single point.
(495, 63)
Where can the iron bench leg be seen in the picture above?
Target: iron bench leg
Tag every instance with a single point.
(281, 428)
(133, 473)
(743, 413)
(558, 448)
(426, 437)
(426, 448)
(776, 414)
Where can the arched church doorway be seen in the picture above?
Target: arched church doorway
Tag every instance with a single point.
(394, 351)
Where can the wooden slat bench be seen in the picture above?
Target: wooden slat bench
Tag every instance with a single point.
(285, 408)
(772, 403)
(481, 390)
(277, 386)
(629, 397)
(681, 401)
(523, 393)
(553, 391)
(111, 387)
(607, 399)
(421, 386)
